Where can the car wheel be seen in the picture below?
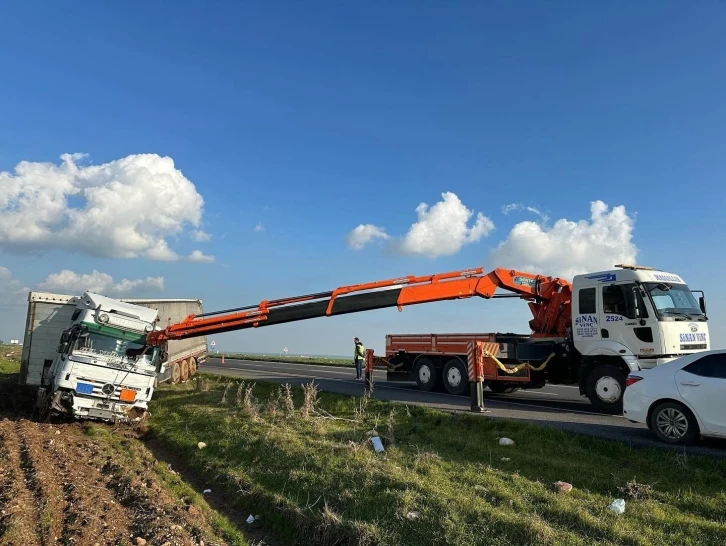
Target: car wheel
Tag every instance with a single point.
(425, 373)
(605, 387)
(674, 423)
(456, 376)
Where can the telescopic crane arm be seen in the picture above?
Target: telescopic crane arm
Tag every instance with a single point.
(549, 300)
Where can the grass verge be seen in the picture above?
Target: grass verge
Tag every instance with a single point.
(320, 361)
(443, 479)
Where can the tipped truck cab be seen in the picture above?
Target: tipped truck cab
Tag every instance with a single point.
(102, 368)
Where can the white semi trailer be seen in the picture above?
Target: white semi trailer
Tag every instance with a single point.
(87, 355)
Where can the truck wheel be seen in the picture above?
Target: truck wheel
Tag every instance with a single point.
(425, 373)
(674, 423)
(605, 386)
(175, 373)
(456, 376)
(192, 367)
(184, 370)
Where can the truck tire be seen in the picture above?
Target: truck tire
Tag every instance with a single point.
(425, 373)
(605, 386)
(455, 376)
(192, 367)
(175, 373)
(184, 370)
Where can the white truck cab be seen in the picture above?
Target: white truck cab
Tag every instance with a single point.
(103, 368)
(631, 318)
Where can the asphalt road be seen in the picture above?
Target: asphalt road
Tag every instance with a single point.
(556, 406)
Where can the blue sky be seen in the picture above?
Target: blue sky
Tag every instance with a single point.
(314, 118)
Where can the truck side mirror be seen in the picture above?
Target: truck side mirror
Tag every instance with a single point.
(702, 304)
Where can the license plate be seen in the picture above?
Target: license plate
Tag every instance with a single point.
(84, 388)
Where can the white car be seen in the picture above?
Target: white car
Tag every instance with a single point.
(681, 400)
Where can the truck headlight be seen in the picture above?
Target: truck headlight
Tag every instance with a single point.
(148, 328)
(103, 317)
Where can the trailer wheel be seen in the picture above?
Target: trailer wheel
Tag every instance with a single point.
(175, 373)
(192, 367)
(184, 370)
(455, 376)
(425, 374)
(604, 387)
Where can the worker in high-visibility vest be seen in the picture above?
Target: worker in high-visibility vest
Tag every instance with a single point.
(359, 356)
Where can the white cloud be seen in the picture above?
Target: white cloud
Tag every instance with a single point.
(198, 256)
(364, 234)
(506, 209)
(126, 208)
(67, 281)
(442, 229)
(12, 291)
(200, 236)
(259, 227)
(568, 247)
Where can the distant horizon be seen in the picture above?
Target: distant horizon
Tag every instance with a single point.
(276, 353)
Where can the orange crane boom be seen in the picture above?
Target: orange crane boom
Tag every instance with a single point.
(549, 302)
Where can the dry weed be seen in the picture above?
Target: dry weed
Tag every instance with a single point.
(287, 401)
(226, 390)
(310, 399)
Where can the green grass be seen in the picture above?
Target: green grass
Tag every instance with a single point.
(322, 361)
(318, 480)
(9, 360)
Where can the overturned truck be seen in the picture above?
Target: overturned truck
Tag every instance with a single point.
(89, 358)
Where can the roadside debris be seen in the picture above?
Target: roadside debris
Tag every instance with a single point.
(377, 444)
(563, 487)
(506, 442)
(251, 519)
(506, 459)
(635, 490)
(206, 491)
(412, 515)
(201, 445)
(617, 506)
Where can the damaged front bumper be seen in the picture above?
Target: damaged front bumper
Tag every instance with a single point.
(82, 407)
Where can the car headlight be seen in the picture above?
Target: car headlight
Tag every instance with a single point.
(103, 317)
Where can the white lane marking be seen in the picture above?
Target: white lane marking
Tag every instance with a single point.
(457, 397)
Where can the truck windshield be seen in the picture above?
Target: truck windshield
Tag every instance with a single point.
(677, 301)
(116, 350)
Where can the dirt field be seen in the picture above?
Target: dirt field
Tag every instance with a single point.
(58, 485)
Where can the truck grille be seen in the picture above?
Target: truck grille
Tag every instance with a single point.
(693, 346)
(98, 389)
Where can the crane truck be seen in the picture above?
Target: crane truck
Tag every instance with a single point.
(591, 332)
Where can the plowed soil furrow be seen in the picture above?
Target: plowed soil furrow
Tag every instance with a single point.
(60, 486)
(19, 518)
(40, 477)
(90, 514)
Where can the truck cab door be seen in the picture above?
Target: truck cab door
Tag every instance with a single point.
(585, 319)
(625, 319)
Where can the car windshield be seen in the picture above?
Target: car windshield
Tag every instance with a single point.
(677, 300)
(117, 350)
